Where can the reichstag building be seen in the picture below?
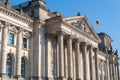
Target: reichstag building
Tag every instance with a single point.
(37, 44)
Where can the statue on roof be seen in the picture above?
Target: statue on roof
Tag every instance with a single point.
(78, 14)
(116, 52)
(2, 1)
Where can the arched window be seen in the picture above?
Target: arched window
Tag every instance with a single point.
(9, 65)
(23, 67)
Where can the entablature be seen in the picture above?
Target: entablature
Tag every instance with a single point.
(16, 15)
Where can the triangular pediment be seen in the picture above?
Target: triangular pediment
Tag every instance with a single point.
(82, 23)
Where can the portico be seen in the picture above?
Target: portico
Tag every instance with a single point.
(80, 48)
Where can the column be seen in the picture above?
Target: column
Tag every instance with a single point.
(85, 62)
(91, 63)
(48, 57)
(66, 60)
(70, 61)
(96, 63)
(18, 52)
(102, 63)
(107, 68)
(38, 50)
(57, 59)
(113, 73)
(116, 75)
(31, 56)
(78, 61)
(118, 70)
(61, 55)
(4, 48)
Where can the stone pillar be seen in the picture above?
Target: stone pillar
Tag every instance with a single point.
(31, 56)
(78, 61)
(85, 60)
(118, 70)
(18, 52)
(107, 68)
(113, 73)
(38, 50)
(96, 63)
(70, 61)
(102, 63)
(57, 59)
(61, 55)
(91, 63)
(116, 75)
(66, 61)
(47, 56)
(4, 48)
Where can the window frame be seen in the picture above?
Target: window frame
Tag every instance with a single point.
(23, 67)
(9, 65)
(23, 42)
(13, 40)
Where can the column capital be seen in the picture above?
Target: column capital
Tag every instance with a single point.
(60, 32)
(21, 30)
(6, 24)
(95, 49)
(90, 46)
(1, 24)
(70, 36)
(78, 40)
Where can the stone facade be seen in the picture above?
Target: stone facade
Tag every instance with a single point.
(36, 44)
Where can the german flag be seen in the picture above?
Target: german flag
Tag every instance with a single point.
(97, 23)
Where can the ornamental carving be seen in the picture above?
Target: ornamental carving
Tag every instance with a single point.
(82, 26)
(26, 34)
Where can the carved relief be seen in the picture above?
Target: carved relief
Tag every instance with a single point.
(13, 29)
(81, 25)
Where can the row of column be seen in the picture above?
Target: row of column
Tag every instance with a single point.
(103, 70)
(78, 59)
(114, 71)
(4, 51)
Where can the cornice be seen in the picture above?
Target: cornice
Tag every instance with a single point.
(73, 18)
(15, 14)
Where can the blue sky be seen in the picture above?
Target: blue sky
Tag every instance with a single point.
(107, 12)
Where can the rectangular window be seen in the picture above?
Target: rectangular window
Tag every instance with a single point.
(24, 42)
(11, 38)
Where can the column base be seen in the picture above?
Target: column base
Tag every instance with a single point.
(70, 78)
(4, 76)
(47, 78)
(36, 78)
(18, 77)
(61, 78)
